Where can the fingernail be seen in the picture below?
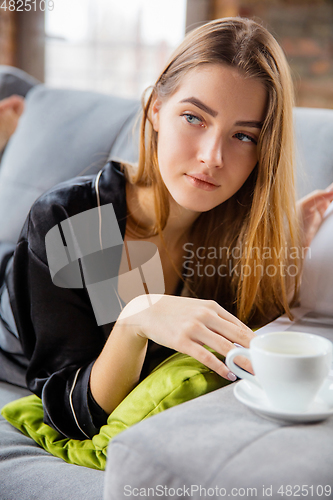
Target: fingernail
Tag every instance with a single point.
(231, 376)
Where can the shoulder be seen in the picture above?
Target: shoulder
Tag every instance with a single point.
(71, 198)
(57, 204)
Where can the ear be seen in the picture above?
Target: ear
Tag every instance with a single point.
(155, 117)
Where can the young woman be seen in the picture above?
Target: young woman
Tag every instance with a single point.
(215, 175)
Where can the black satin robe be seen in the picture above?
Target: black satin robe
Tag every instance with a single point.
(56, 326)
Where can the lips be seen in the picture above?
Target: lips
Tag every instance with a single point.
(205, 178)
(202, 181)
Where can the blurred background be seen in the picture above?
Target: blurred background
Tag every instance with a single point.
(119, 46)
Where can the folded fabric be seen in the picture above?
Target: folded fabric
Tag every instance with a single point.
(176, 380)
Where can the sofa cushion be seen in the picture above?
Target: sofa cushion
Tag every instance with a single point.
(27, 471)
(177, 379)
(61, 134)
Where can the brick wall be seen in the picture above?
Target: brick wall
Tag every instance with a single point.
(7, 37)
(304, 28)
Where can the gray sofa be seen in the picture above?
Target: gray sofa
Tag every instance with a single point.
(207, 448)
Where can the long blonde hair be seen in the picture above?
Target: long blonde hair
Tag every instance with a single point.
(259, 220)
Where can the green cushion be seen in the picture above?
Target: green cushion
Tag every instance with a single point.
(176, 380)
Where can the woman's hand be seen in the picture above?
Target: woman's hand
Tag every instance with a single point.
(311, 211)
(11, 109)
(186, 325)
(181, 323)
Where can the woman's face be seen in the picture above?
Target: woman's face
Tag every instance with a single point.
(207, 135)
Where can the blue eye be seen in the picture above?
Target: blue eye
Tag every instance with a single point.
(192, 119)
(245, 138)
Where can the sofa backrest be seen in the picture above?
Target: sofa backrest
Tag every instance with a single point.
(62, 134)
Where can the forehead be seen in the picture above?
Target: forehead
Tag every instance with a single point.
(223, 88)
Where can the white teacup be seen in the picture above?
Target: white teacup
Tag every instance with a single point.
(290, 367)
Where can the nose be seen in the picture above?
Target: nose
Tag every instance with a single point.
(210, 151)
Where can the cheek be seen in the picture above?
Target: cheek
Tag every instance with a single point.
(241, 167)
(246, 157)
(174, 151)
(165, 161)
(247, 170)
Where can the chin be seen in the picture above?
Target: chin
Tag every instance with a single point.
(193, 205)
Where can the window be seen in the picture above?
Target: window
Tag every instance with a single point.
(110, 46)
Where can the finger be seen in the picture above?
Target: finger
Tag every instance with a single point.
(219, 344)
(323, 204)
(327, 194)
(226, 315)
(244, 363)
(330, 187)
(208, 359)
(234, 331)
(315, 196)
(317, 205)
(320, 205)
(324, 195)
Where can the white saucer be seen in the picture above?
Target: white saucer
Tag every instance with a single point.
(254, 397)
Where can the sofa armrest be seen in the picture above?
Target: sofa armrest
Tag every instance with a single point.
(216, 442)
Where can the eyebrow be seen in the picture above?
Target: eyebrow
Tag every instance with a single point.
(212, 112)
(252, 124)
(201, 105)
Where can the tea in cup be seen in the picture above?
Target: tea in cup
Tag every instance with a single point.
(290, 367)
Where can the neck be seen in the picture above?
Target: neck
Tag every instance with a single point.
(140, 203)
(179, 223)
